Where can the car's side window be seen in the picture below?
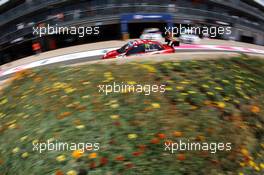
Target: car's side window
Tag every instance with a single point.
(136, 49)
(153, 47)
(156, 47)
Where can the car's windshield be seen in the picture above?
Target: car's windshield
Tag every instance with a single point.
(125, 47)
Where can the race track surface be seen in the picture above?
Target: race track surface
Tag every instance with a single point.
(92, 55)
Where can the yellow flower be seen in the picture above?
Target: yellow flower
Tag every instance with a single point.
(262, 165)
(227, 99)
(221, 105)
(236, 101)
(239, 81)
(225, 81)
(71, 172)
(205, 86)
(179, 87)
(80, 126)
(168, 88)
(244, 152)
(252, 164)
(86, 82)
(4, 101)
(61, 158)
(35, 141)
(59, 85)
(114, 117)
(240, 173)
(219, 88)
(242, 164)
(155, 105)
(113, 101)
(194, 107)
(238, 88)
(191, 92)
(85, 96)
(12, 126)
(210, 93)
(16, 150)
(25, 155)
(132, 136)
(185, 82)
(69, 90)
(114, 105)
(23, 138)
(92, 155)
(131, 82)
(256, 168)
(108, 74)
(2, 115)
(150, 68)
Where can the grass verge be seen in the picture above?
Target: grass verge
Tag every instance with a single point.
(205, 101)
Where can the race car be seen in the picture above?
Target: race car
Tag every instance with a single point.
(139, 47)
(152, 34)
(189, 37)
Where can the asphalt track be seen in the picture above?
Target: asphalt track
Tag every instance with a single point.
(192, 49)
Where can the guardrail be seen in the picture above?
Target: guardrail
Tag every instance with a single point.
(35, 5)
(239, 5)
(25, 8)
(94, 14)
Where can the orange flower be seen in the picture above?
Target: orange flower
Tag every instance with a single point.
(59, 172)
(255, 109)
(1, 161)
(177, 133)
(77, 154)
(200, 138)
(181, 157)
(161, 136)
(103, 161)
(215, 162)
(142, 147)
(120, 158)
(77, 122)
(136, 153)
(21, 74)
(92, 165)
(81, 108)
(155, 141)
(129, 165)
(92, 155)
(37, 79)
(63, 115)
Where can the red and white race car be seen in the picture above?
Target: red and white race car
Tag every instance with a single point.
(139, 47)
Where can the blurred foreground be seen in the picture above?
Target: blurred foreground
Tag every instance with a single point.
(205, 101)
